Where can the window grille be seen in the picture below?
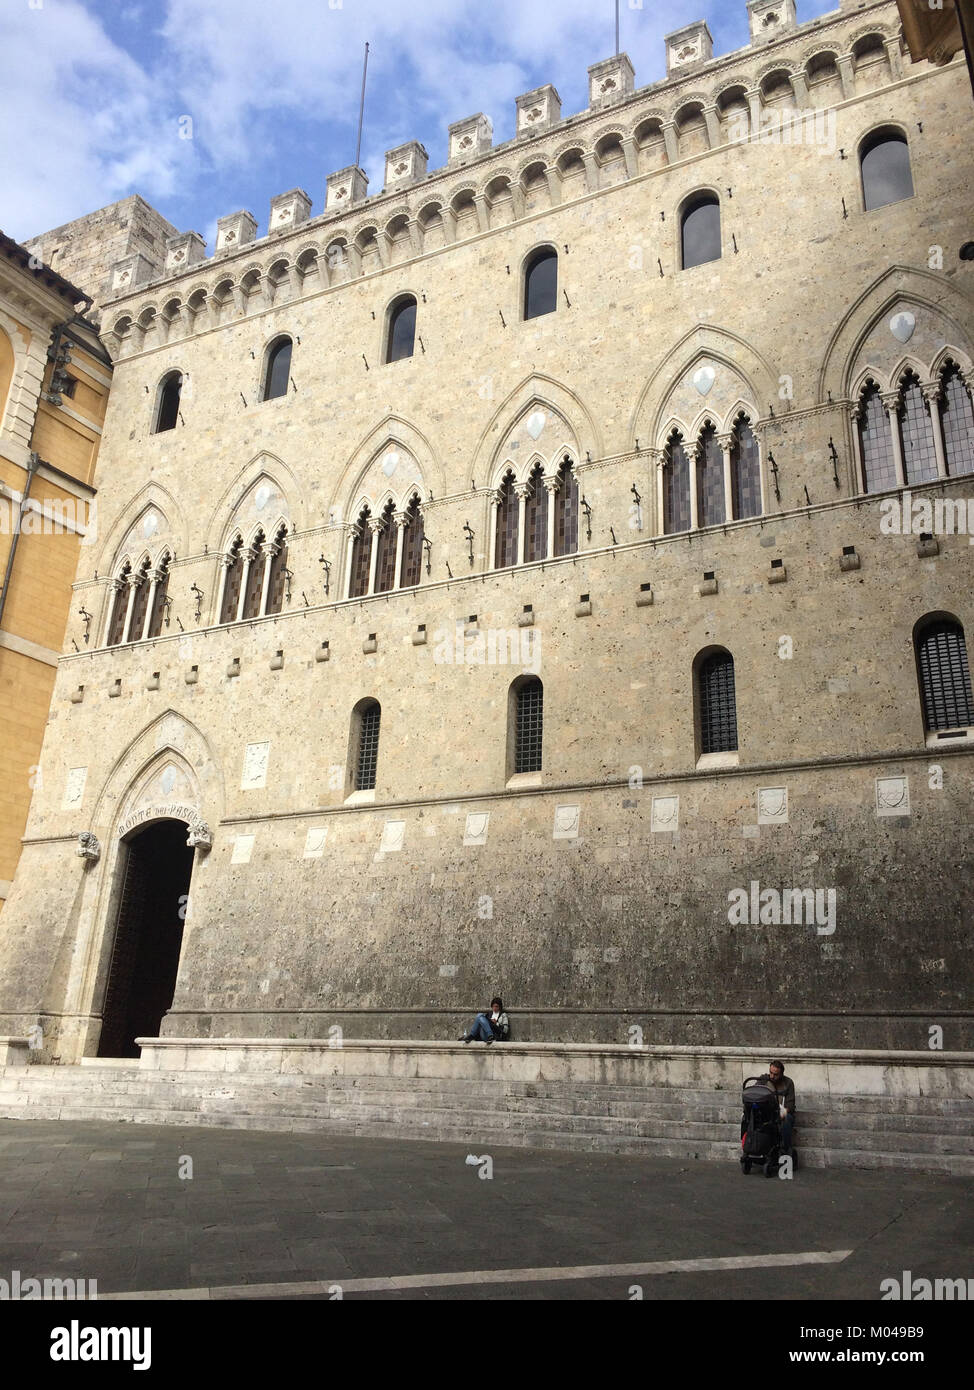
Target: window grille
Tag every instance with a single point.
(368, 749)
(718, 706)
(957, 418)
(916, 433)
(412, 547)
(945, 678)
(505, 549)
(566, 511)
(676, 488)
(710, 480)
(231, 586)
(530, 727)
(876, 440)
(745, 472)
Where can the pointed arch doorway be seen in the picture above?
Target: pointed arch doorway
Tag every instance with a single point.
(155, 867)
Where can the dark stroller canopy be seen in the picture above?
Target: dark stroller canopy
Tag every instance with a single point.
(758, 1096)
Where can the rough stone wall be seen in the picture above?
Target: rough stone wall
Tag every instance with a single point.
(389, 923)
(83, 251)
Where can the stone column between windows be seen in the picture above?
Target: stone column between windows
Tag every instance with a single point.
(846, 75)
(375, 526)
(726, 442)
(755, 108)
(154, 577)
(494, 498)
(402, 521)
(762, 470)
(551, 488)
(349, 560)
(631, 155)
(895, 57)
(553, 178)
(114, 589)
(799, 85)
(891, 400)
(669, 141)
(693, 457)
(931, 394)
(133, 583)
(225, 562)
(522, 490)
(249, 556)
(713, 126)
(483, 212)
(859, 484)
(269, 549)
(660, 500)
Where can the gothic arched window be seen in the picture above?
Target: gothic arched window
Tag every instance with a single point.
(536, 517)
(566, 511)
(916, 433)
(944, 675)
(505, 547)
(367, 716)
(158, 614)
(277, 372)
(385, 561)
(231, 583)
(876, 442)
(957, 421)
(745, 471)
(361, 557)
(541, 283)
(884, 159)
(167, 411)
(711, 504)
(277, 576)
(700, 239)
(527, 715)
(676, 487)
(401, 337)
(717, 703)
(412, 546)
(120, 605)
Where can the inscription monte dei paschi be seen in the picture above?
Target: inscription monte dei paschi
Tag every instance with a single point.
(173, 810)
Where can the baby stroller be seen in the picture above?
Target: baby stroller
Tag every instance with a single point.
(760, 1127)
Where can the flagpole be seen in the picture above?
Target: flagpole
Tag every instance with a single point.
(361, 108)
(617, 28)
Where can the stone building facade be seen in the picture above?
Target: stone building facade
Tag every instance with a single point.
(358, 499)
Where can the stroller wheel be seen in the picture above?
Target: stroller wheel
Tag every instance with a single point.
(745, 1165)
(769, 1169)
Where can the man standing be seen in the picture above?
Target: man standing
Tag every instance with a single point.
(785, 1090)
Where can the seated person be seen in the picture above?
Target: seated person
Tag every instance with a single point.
(490, 1026)
(785, 1089)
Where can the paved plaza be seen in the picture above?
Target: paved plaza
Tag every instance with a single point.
(311, 1215)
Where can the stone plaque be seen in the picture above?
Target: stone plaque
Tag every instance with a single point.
(393, 834)
(566, 822)
(475, 830)
(314, 844)
(666, 813)
(892, 796)
(773, 806)
(74, 788)
(256, 758)
(243, 847)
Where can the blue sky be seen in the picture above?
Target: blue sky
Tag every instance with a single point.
(92, 92)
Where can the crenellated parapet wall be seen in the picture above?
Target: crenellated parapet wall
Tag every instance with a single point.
(702, 106)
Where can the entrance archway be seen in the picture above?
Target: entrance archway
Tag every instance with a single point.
(155, 869)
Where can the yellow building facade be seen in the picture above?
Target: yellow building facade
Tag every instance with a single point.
(54, 384)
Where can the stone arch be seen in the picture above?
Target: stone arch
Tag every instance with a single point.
(704, 345)
(899, 285)
(14, 391)
(536, 392)
(151, 497)
(391, 435)
(278, 476)
(170, 738)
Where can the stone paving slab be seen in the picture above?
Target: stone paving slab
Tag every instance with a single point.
(282, 1209)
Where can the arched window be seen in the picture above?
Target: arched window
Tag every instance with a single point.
(916, 433)
(140, 604)
(527, 715)
(957, 421)
(944, 675)
(876, 441)
(566, 510)
(361, 556)
(277, 372)
(120, 606)
(536, 517)
(254, 556)
(711, 504)
(167, 412)
(700, 230)
(401, 337)
(232, 582)
(505, 547)
(884, 158)
(717, 704)
(412, 546)
(676, 487)
(745, 470)
(541, 283)
(385, 561)
(366, 724)
(277, 576)
(158, 615)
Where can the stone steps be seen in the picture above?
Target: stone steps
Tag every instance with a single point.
(925, 1133)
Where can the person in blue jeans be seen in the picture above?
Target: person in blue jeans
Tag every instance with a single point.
(491, 1026)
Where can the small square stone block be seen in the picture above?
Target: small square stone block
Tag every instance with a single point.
(708, 586)
(526, 619)
(419, 637)
(116, 690)
(778, 576)
(584, 609)
(234, 668)
(370, 644)
(928, 547)
(192, 675)
(153, 682)
(323, 652)
(645, 598)
(849, 562)
(277, 661)
(78, 695)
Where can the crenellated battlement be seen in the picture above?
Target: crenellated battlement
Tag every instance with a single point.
(696, 108)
